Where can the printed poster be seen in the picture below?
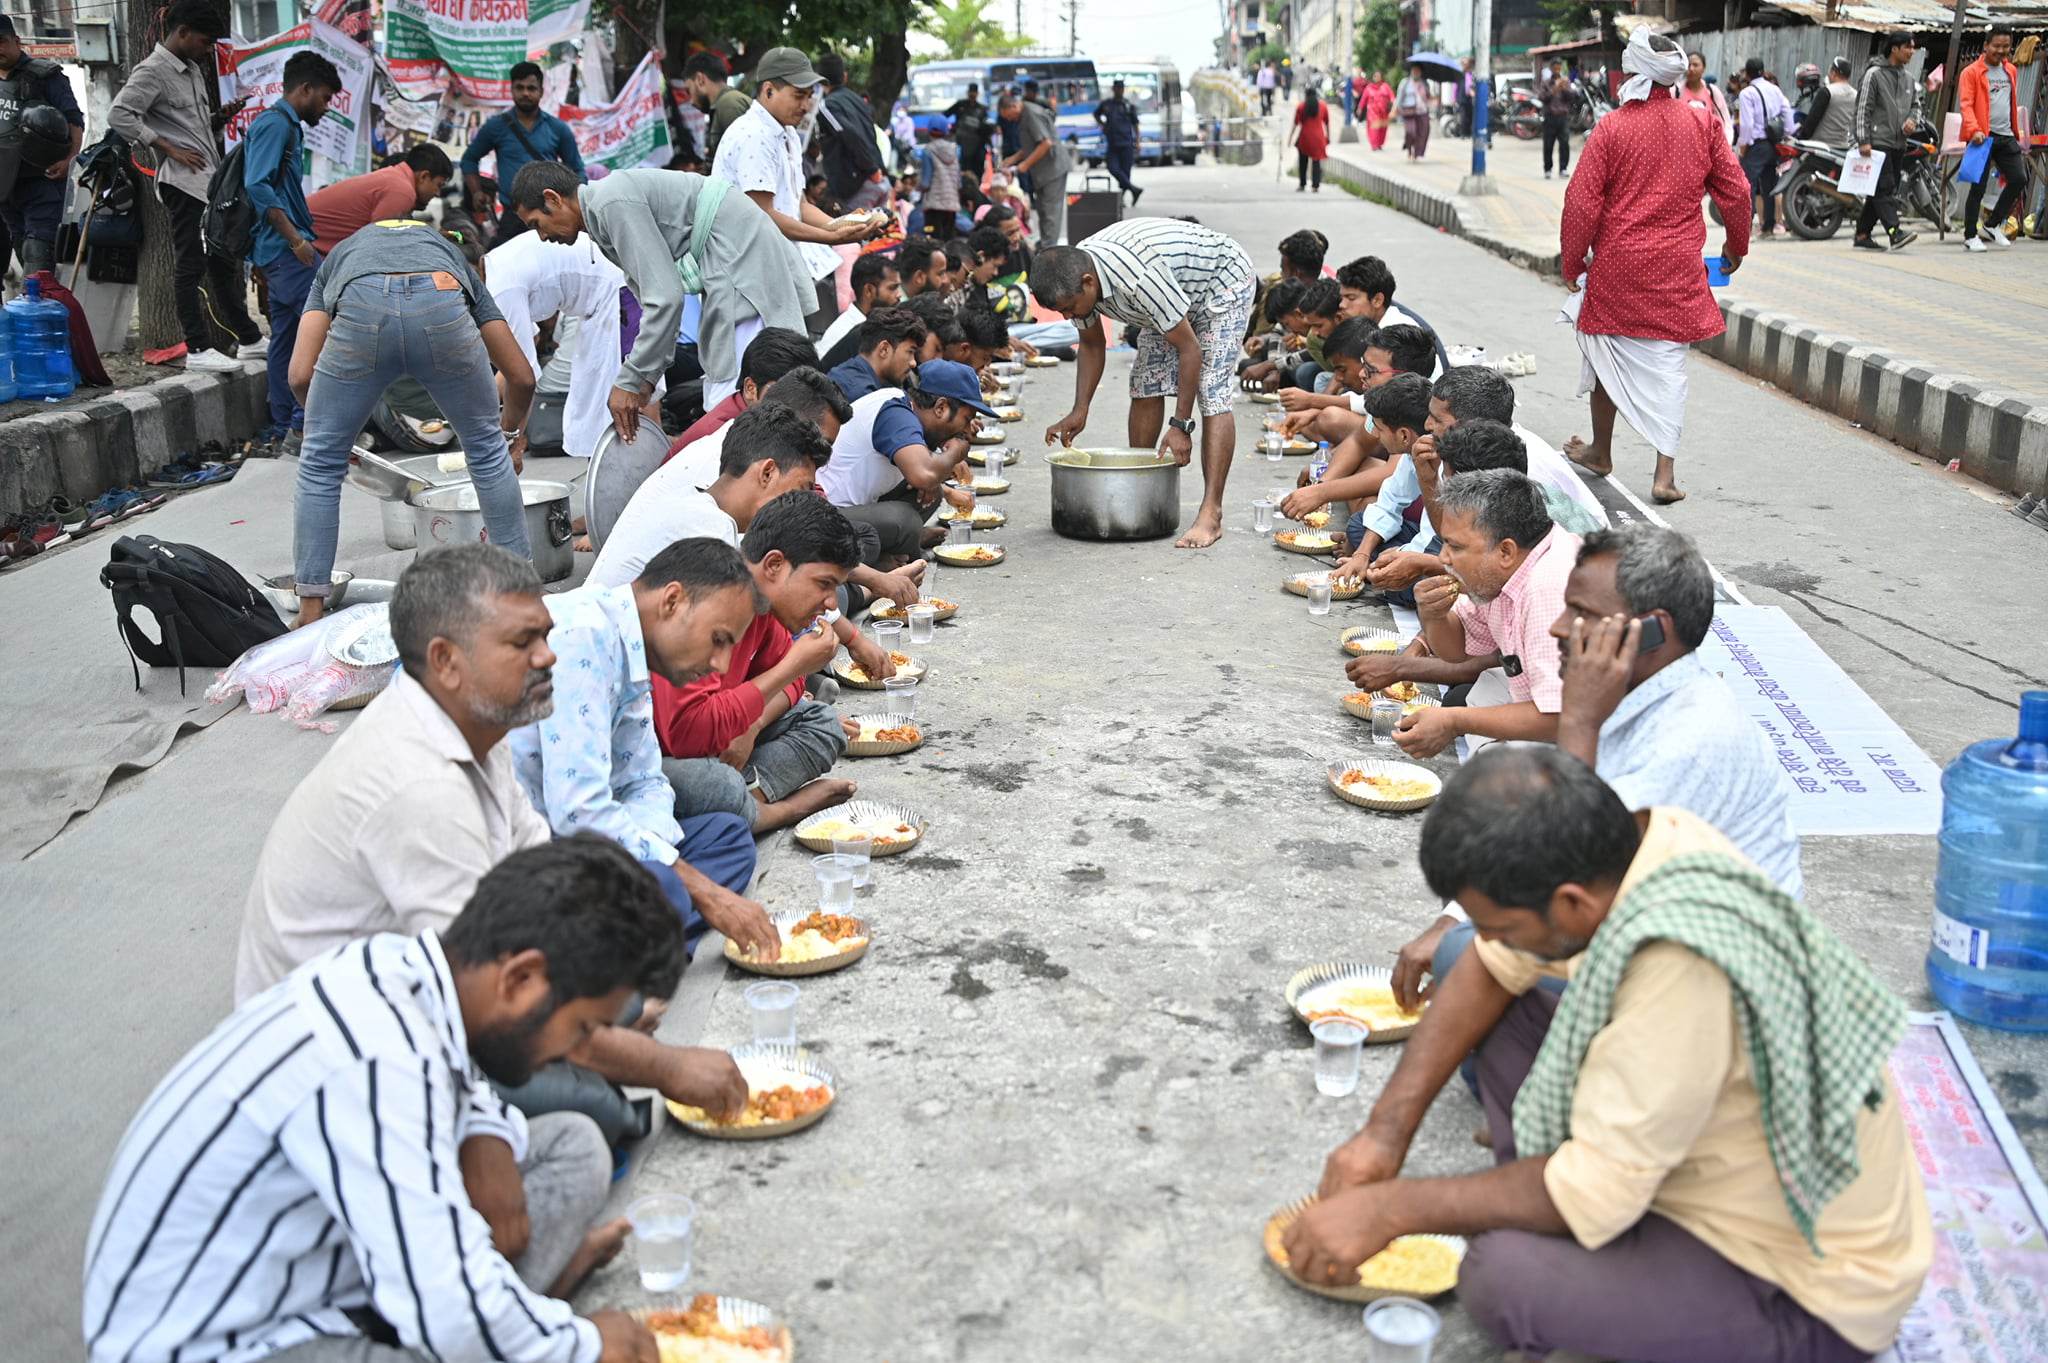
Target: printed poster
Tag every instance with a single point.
(476, 42)
(255, 71)
(630, 131)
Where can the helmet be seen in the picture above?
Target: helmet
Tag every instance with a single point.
(45, 137)
(1807, 76)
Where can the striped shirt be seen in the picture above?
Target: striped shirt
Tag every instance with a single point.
(295, 1176)
(1157, 272)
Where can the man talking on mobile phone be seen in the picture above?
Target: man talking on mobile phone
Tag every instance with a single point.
(1652, 719)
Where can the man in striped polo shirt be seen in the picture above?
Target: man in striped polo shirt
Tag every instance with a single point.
(1189, 291)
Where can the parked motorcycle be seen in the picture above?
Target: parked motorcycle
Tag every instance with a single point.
(1807, 178)
(1589, 106)
(1524, 115)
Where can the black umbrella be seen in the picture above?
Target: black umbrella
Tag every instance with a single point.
(1436, 66)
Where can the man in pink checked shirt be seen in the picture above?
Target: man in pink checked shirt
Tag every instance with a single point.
(1509, 562)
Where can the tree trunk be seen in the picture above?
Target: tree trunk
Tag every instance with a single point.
(889, 62)
(156, 309)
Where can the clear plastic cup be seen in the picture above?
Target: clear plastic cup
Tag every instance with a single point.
(960, 531)
(1262, 515)
(924, 620)
(1319, 597)
(772, 1003)
(992, 462)
(1400, 1330)
(899, 697)
(855, 851)
(888, 634)
(835, 883)
(1273, 442)
(661, 1239)
(1338, 1042)
(1386, 717)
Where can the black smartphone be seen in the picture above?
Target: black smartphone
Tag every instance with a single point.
(1653, 633)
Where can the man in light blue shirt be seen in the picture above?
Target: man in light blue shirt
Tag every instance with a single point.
(1652, 719)
(594, 764)
(273, 164)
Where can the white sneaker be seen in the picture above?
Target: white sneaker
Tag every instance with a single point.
(1975, 244)
(199, 361)
(1993, 237)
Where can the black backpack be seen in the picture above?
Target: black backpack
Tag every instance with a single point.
(207, 613)
(228, 226)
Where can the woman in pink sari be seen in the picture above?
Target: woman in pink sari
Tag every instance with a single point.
(1378, 107)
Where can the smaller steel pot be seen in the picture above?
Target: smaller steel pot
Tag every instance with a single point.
(449, 515)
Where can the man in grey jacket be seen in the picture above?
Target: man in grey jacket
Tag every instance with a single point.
(163, 106)
(1884, 117)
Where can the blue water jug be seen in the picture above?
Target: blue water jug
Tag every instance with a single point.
(7, 390)
(1989, 960)
(42, 345)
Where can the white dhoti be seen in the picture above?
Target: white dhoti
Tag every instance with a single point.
(1644, 379)
(533, 280)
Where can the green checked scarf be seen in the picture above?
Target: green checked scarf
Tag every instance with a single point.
(1817, 1023)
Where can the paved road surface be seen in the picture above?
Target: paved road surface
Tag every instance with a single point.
(1071, 1095)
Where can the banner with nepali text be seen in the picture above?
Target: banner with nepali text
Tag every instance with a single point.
(255, 72)
(476, 43)
(630, 131)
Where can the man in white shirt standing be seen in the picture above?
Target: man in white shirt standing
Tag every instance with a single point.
(1759, 107)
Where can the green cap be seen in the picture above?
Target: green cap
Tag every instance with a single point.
(787, 65)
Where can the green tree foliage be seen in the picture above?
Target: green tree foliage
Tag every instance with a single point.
(872, 34)
(1569, 18)
(965, 29)
(1379, 37)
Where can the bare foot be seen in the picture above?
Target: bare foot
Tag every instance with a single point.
(931, 535)
(582, 545)
(600, 1246)
(1581, 453)
(1207, 529)
(806, 802)
(1664, 494)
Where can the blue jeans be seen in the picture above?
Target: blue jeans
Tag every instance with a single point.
(385, 328)
(287, 283)
(719, 847)
(789, 754)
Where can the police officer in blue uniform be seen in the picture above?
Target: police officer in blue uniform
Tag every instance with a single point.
(1118, 119)
(41, 129)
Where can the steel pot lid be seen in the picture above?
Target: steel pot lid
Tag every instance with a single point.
(617, 469)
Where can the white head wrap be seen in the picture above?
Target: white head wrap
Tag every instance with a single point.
(1647, 66)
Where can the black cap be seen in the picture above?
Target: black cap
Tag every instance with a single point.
(7, 26)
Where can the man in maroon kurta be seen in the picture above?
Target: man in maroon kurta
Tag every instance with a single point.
(1633, 240)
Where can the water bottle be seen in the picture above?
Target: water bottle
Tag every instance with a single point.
(42, 345)
(1989, 959)
(7, 387)
(1320, 465)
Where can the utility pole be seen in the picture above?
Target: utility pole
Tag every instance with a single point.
(1073, 20)
(1947, 100)
(1478, 183)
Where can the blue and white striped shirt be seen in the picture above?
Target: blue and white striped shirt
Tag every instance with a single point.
(1155, 272)
(295, 1176)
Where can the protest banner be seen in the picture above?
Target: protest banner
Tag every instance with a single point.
(630, 131)
(255, 72)
(474, 42)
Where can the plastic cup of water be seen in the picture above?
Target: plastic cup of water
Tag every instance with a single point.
(899, 696)
(835, 883)
(1319, 596)
(993, 462)
(1274, 440)
(1262, 515)
(772, 1004)
(855, 851)
(1386, 717)
(960, 531)
(888, 634)
(1338, 1041)
(661, 1239)
(924, 619)
(1400, 1330)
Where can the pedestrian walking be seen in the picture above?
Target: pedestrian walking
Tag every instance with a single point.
(522, 134)
(1411, 101)
(273, 150)
(1311, 138)
(1630, 248)
(847, 139)
(1558, 99)
(1118, 119)
(1885, 109)
(1268, 80)
(1762, 113)
(1468, 86)
(1988, 91)
(1039, 155)
(163, 106)
(1378, 101)
(1701, 93)
(34, 161)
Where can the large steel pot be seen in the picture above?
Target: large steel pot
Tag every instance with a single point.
(1114, 494)
(392, 480)
(449, 515)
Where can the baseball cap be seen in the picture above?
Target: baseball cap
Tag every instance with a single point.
(951, 379)
(788, 65)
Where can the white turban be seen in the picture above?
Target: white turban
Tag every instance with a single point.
(1647, 66)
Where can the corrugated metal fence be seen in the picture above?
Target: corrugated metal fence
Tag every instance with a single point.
(1784, 48)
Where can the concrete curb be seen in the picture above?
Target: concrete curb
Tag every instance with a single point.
(125, 434)
(2000, 439)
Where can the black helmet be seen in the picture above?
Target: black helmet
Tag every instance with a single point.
(45, 137)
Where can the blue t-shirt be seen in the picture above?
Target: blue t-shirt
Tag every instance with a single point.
(550, 138)
(896, 428)
(856, 378)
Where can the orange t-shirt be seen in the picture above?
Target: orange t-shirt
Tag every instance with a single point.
(346, 207)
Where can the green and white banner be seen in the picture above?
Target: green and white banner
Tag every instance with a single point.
(255, 72)
(476, 42)
(630, 131)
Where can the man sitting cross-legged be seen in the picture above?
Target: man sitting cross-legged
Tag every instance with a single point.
(892, 461)
(303, 1187)
(1505, 566)
(1397, 412)
(1700, 1156)
(747, 740)
(594, 765)
(393, 828)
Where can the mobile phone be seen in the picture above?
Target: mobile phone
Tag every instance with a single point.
(1653, 633)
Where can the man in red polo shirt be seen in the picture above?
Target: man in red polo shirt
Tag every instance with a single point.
(748, 741)
(399, 190)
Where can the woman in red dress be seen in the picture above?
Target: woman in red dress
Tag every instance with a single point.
(1379, 110)
(1311, 137)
